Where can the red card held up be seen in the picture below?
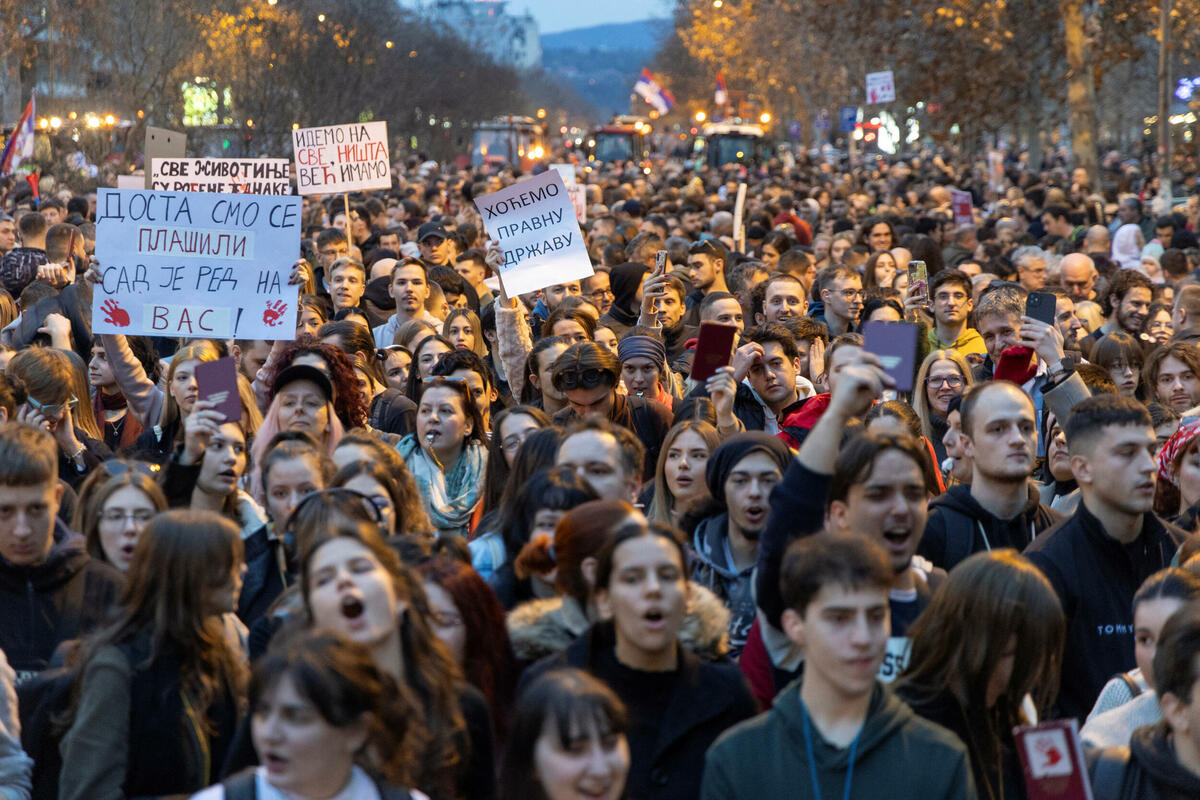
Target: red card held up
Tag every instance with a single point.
(1052, 759)
(218, 380)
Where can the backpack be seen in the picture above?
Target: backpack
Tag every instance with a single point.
(243, 786)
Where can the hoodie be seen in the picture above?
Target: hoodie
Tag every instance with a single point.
(713, 568)
(899, 756)
(958, 526)
(1153, 772)
(44, 605)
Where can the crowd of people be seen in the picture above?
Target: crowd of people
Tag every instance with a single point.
(461, 544)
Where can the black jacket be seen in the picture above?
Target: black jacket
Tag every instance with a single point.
(958, 526)
(266, 575)
(1151, 773)
(62, 598)
(797, 509)
(1095, 577)
(708, 697)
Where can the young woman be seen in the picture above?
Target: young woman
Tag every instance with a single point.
(538, 389)
(992, 634)
(353, 583)
(510, 428)
(310, 316)
(1157, 328)
(1058, 489)
(774, 244)
(878, 235)
(605, 336)
(467, 617)
(880, 269)
(425, 356)
(570, 324)
(568, 741)
(159, 690)
(349, 402)
(162, 414)
(642, 592)
(1177, 491)
(447, 456)
(302, 402)
(944, 375)
(396, 361)
(463, 329)
(121, 428)
(679, 484)
(535, 509)
(326, 722)
(409, 505)
(117, 513)
(1122, 357)
(1129, 701)
(373, 480)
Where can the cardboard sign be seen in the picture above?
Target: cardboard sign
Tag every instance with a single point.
(161, 143)
(1052, 760)
(342, 158)
(881, 87)
(222, 175)
(131, 181)
(960, 201)
(534, 223)
(196, 265)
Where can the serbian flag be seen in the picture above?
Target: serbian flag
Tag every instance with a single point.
(649, 90)
(720, 97)
(20, 145)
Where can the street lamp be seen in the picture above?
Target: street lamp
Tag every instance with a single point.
(765, 118)
(701, 116)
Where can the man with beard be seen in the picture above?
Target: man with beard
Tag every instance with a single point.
(409, 287)
(1000, 507)
(1097, 558)
(740, 474)
(1172, 373)
(1127, 303)
(707, 260)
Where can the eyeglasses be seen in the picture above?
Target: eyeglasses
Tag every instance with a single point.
(850, 294)
(599, 294)
(582, 379)
(53, 409)
(368, 502)
(119, 466)
(937, 381)
(139, 516)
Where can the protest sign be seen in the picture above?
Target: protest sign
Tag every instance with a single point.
(881, 87)
(222, 175)
(960, 201)
(847, 118)
(567, 171)
(342, 158)
(534, 224)
(192, 265)
(578, 195)
(131, 181)
(161, 143)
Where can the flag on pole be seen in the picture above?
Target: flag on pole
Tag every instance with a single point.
(20, 145)
(721, 97)
(649, 90)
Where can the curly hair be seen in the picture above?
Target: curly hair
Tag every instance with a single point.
(349, 402)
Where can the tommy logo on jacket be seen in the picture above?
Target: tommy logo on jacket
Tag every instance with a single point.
(1120, 629)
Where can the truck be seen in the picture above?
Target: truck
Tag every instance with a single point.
(623, 139)
(722, 143)
(509, 140)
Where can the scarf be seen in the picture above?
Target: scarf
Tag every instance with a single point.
(450, 497)
(130, 428)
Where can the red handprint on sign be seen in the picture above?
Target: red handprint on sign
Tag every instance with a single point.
(114, 314)
(274, 313)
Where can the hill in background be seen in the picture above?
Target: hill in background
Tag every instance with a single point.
(602, 62)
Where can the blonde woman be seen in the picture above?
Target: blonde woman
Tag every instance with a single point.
(944, 374)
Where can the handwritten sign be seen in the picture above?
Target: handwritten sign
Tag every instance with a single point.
(222, 175)
(960, 201)
(534, 223)
(196, 265)
(578, 194)
(342, 158)
(881, 87)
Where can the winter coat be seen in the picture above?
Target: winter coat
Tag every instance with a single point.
(899, 756)
(706, 699)
(541, 628)
(1095, 577)
(1152, 771)
(713, 569)
(958, 526)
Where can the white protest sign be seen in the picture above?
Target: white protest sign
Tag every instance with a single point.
(196, 265)
(567, 171)
(222, 175)
(960, 202)
(881, 87)
(739, 233)
(342, 158)
(137, 181)
(578, 194)
(534, 224)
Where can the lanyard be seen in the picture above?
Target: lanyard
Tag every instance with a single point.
(812, 763)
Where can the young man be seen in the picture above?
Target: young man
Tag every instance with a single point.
(707, 260)
(587, 373)
(781, 299)
(8, 234)
(331, 246)
(1185, 318)
(999, 322)
(950, 291)
(607, 456)
(842, 296)
(724, 308)
(837, 726)
(409, 287)
(1126, 303)
(740, 475)
(347, 280)
(472, 266)
(1172, 372)
(19, 266)
(1001, 506)
(1097, 558)
(772, 373)
(597, 288)
(50, 589)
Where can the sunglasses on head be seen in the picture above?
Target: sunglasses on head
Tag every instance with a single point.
(570, 379)
(703, 247)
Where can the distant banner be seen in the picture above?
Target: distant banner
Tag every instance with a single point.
(196, 265)
(222, 175)
(342, 158)
(960, 201)
(535, 225)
